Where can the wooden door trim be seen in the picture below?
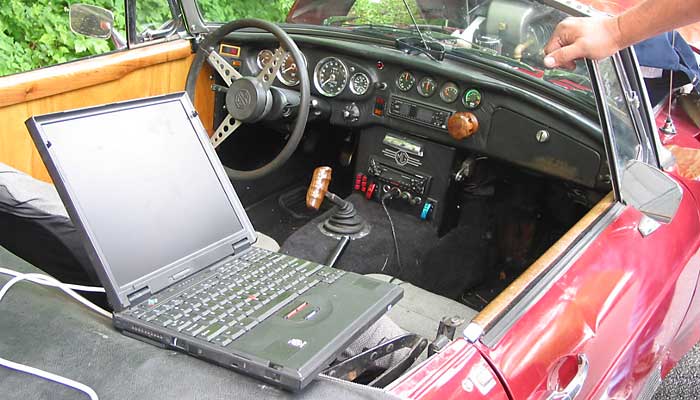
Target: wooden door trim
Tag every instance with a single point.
(504, 301)
(50, 81)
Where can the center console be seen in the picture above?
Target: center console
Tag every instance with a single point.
(419, 169)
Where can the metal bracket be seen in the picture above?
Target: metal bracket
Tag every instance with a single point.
(647, 226)
(355, 366)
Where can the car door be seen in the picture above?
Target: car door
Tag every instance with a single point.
(154, 62)
(600, 323)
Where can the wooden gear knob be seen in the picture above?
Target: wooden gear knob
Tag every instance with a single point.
(461, 125)
(318, 187)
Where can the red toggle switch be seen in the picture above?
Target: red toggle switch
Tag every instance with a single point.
(358, 180)
(370, 191)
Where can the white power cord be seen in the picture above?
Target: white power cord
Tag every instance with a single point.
(46, 280)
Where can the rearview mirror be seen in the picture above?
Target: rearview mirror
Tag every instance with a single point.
(91, 21)
(650, 191)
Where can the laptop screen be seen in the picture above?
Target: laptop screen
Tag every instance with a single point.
(147, 191)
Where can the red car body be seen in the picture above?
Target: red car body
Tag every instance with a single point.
(627, 302)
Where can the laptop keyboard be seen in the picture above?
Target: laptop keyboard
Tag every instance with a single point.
(240, 294)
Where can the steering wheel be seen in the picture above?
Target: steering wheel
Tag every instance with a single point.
(249, 98)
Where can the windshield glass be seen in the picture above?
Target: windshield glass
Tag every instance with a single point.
(508, 33)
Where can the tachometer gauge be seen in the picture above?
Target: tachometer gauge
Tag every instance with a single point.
(449, 92)
(471, 99)
(330, 76)
(405, 81)
(427, 86)
(359, 83)
(289, 72)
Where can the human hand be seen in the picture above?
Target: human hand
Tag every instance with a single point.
(575, 38)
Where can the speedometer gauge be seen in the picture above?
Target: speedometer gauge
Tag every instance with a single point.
(359, 83)
(405, 81)
(330, 76)
(449, 92)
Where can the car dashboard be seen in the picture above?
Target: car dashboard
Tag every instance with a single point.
(401, 104)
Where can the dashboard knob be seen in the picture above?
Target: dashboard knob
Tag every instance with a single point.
(461, 125)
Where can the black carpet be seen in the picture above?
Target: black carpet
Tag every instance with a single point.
(373, 253)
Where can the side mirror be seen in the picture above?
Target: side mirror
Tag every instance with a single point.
(91, 21)
(96, 22)
(650, 191)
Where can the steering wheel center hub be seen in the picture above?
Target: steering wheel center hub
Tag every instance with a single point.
(247, 100)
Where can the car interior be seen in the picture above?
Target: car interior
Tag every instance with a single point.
(462, 174)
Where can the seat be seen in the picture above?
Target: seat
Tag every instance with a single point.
(39, 230)
(420, 311)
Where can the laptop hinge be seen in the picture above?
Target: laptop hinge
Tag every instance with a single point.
(137, 296)
(240, 245)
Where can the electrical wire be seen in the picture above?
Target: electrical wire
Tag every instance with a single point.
(69, 289)
(386, 197)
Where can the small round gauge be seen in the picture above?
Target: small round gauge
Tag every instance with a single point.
(471, 99)
(330, 76)
(405, 81)
(449, 92)
(289, 73)
(359, 83)
(427, 86)
(264, 57)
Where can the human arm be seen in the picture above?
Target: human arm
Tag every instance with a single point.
(600, 37)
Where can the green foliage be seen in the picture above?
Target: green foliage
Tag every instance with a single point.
(151, 14)
(228, 10)
(36, 33)
(384, 12)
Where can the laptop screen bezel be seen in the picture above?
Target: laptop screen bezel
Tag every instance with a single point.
(163, 276)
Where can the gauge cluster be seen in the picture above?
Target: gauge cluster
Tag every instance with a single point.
(354, 86)
(449, 91)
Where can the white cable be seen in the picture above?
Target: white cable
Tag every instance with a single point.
(53, 282)
(49, 376)
(46, 280)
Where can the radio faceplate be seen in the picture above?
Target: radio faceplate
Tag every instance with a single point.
(414, 183)
(420, 113)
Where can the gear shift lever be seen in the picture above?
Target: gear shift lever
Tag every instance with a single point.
(344, 221)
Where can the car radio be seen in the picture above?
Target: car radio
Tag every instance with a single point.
(416, 185)
(420, 113)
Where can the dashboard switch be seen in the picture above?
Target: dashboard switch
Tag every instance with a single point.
(370, 191)
(427, 209)
(351, 113)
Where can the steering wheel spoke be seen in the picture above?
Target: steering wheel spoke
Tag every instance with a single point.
(225, 70)
(270, 69)
(226, 128)
(249, 99)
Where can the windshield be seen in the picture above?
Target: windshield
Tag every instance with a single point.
(508, 33)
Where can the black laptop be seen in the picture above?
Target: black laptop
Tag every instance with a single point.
(173, 246)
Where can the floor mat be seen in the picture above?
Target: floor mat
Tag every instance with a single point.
(373, 253)
(271, 218)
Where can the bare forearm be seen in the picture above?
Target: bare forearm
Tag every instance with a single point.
(652, 17)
